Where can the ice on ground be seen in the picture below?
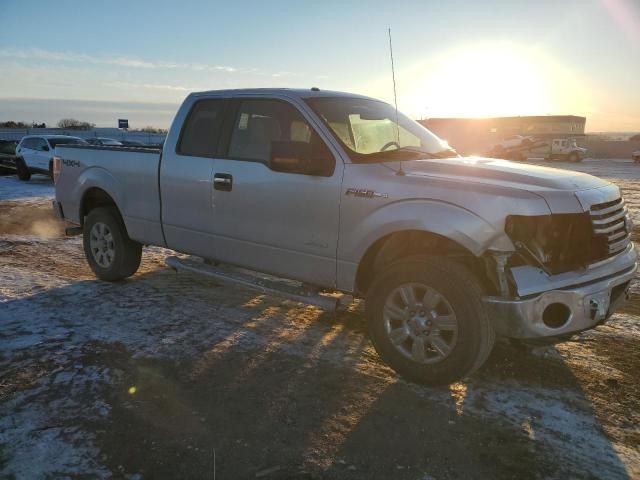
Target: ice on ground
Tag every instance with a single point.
(40, 186)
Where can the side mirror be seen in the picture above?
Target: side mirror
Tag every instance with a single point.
(297, 157)
(45, 148)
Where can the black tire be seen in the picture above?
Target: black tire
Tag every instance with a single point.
(462, 293)
(22, 171)
(126, 254)
(574, 157)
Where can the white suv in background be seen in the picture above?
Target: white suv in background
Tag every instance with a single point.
(34, 153)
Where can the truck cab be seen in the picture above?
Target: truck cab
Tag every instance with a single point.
(566, 149)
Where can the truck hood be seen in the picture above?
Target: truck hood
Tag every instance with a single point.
(559, 188)
(493, 171)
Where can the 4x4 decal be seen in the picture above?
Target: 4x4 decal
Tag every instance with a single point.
(71, 163)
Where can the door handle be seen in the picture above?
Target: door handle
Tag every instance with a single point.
(223, 181)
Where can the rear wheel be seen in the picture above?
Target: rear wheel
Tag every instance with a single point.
(111, 254)
(427, 320)
(22, 170)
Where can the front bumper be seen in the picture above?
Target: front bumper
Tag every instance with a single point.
(569, 309)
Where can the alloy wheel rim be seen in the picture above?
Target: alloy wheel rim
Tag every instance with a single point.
(420, 323)
(101, 244)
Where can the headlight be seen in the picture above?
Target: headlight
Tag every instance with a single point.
(556, 243)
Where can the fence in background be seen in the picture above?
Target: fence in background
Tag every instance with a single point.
(115, 133)
(609, 149)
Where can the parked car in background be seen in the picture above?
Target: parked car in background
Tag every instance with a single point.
(341, 192)
(34, 153)
(636, 156)
(104, 142)
(132, 143)
(7, 156)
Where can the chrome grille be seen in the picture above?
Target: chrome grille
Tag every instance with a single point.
(611, 223)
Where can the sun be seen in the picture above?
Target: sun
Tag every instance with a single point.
(480, 81)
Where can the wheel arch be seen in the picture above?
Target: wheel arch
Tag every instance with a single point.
(397, 245)
(95, 197)
(94, 187)
(453, 229)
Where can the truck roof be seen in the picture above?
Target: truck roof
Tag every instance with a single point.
(291, 92)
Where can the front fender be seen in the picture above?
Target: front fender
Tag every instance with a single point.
(451, 221)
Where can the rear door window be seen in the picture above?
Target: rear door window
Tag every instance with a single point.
(40, 144)
(54, 142)
(201, 131)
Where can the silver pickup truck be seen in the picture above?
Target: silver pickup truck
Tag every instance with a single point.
(342, 192)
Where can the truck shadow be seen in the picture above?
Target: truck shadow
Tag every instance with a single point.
(202, 377)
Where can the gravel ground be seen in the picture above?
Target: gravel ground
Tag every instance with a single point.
(173, 376)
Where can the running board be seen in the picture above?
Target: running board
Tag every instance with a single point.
(256, 281)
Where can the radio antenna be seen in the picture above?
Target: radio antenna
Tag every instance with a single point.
(395, 98)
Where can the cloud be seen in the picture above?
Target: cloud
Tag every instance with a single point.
(128, 62)
(154, 86)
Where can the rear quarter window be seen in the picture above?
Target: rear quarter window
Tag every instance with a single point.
(201, 131)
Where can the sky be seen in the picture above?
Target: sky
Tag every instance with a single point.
(99, 61)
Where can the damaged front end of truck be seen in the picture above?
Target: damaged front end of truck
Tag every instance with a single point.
(568, 271)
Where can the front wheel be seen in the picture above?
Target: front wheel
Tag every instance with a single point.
(22, 170)
(574, 157)
(427, 320)
(111, 254)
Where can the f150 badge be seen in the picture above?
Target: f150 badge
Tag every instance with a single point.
(363, 192)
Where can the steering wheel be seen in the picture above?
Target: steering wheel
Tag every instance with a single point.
(390, 144)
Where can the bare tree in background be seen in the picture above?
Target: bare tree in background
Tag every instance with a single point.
(149, 129)
(73, 124)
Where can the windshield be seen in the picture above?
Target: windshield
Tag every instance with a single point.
(65, 141)
(369, 132)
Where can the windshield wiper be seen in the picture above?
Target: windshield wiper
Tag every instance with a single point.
(413, 153)
(406, 153)
(448, 153)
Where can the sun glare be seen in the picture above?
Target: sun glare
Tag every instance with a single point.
(490, 80)
(477, 82)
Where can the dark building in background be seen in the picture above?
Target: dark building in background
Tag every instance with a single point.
(471, 136)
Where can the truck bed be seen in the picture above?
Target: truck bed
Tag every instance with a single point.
(129, 175)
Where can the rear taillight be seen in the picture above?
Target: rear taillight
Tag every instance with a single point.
(57, 167)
